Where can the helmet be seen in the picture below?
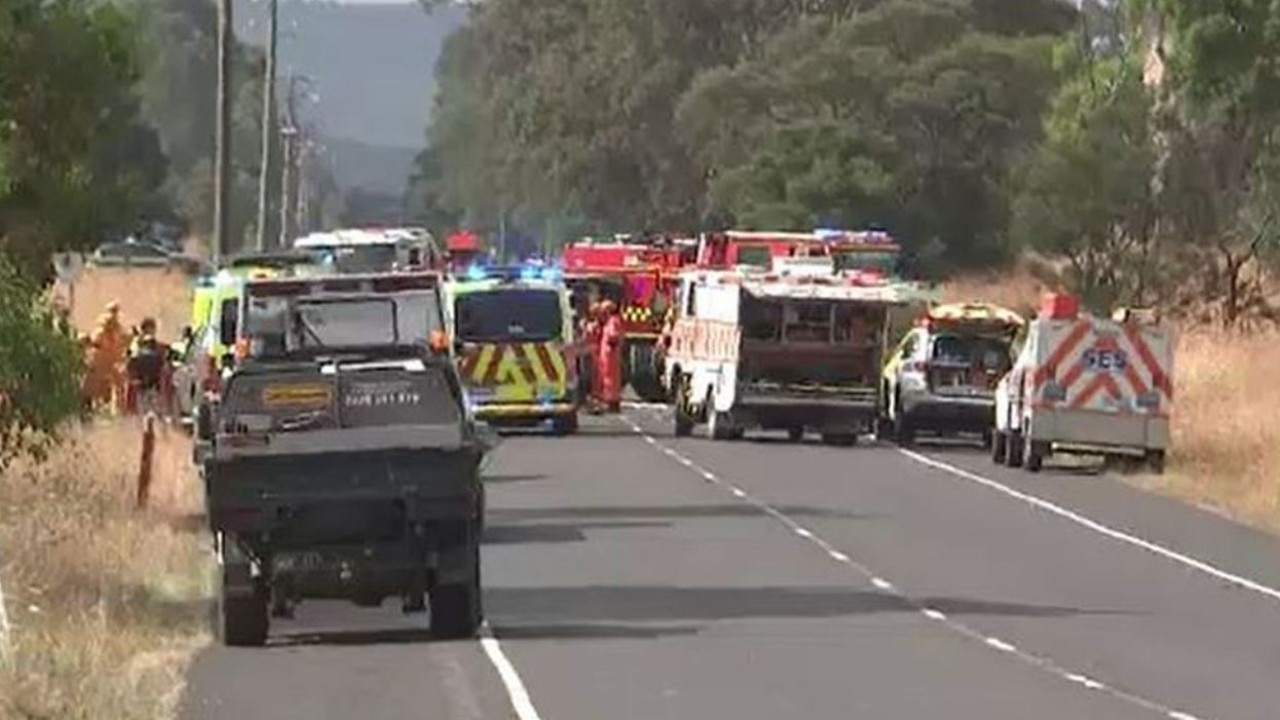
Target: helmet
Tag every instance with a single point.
(608, 307)
(148, 325)
(113, 307)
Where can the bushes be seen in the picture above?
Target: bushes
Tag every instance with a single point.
(40, 368)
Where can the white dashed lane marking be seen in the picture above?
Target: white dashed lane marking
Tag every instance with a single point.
(1037, 661)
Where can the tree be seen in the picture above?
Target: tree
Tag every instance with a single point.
(39, 367)
(80, 162)
(1086, 194)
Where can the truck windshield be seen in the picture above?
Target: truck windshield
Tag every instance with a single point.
(285, 326)
(362, 258)
(518, 314)
(880, 261)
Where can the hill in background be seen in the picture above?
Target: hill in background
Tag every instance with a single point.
(374, 70)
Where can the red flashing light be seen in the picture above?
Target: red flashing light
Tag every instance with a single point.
(1059, 306)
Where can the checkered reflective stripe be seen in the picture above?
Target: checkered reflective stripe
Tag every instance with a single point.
(637, 313)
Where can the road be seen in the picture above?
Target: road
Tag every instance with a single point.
(630, 574)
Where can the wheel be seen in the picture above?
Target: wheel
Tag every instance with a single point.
(999, 440)
(719, 425)
(243, 620)
(884, 427)
(795, 434)
(1155, 461)
(1013, 450)
(1035, 453)
(564, 424)
(840, 439)
(456, 613)
(681, 410)
(903, 433)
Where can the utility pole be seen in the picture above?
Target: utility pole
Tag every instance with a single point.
(268, 115)
(222, 154)
(288, 133)
(302, 198)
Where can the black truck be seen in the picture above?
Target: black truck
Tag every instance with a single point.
(341, 462)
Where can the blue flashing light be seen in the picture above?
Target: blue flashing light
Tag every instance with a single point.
(476, 272)
(530, 273)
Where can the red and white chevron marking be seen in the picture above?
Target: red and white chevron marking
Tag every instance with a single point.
(1106, 366)
(705, 340)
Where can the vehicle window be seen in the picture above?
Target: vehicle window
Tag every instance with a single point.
(524, 314)
(884, 262)
(858, 324)
(228, 320)
(755, 255)
(284, 326)
(807, 321)
(761, 319)
(363, 258)
(987, 353)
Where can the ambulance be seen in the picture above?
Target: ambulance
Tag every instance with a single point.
(1087, 385)
(941, 377)
(513, 335)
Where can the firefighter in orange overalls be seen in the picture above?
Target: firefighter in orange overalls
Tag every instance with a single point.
(107, 369)
(609, 366)
(591, 330)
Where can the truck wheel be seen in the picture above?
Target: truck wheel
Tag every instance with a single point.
(840, 439)
(1013, 450)
(681, 411)
(1155, 461)
(1036, 451)
(242, 620)
(795, 434)
(455, 609)
(903, 433)
(564, 424)
(998, 442)
(884, 428)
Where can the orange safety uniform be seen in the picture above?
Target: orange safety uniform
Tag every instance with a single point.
(591, 332)
(108, 384)
(609, 365)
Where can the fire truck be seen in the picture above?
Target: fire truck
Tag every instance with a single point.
(796, 348)
(869, 251)
(639, 276)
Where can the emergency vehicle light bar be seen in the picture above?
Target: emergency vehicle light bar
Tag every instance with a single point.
(528, 273)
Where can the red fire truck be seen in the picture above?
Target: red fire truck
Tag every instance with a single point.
(865, 250)
(638, 275)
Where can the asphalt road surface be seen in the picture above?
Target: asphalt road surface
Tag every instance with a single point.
(633, 575)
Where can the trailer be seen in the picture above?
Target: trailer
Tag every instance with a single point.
(1088, 385)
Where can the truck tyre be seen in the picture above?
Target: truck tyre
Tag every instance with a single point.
(562, 425)
(1013, 450)
(795, 434)
(681, 411)
(1036, 452)
(455, 608)
(999, 440)
(718, 425)
(1155, 461)
(903, 433)
(242, 621)
(840, 439)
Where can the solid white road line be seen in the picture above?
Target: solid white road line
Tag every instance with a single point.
(1040, 662)
(1096, 526)
(516, 691)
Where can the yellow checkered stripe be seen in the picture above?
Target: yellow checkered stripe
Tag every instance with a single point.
(637, 313)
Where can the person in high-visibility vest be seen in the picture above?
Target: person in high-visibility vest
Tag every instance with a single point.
(149, 369)
(110, 344)
(609, 366)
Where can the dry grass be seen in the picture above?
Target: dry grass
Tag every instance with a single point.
(107, 603)
(1226, 445)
